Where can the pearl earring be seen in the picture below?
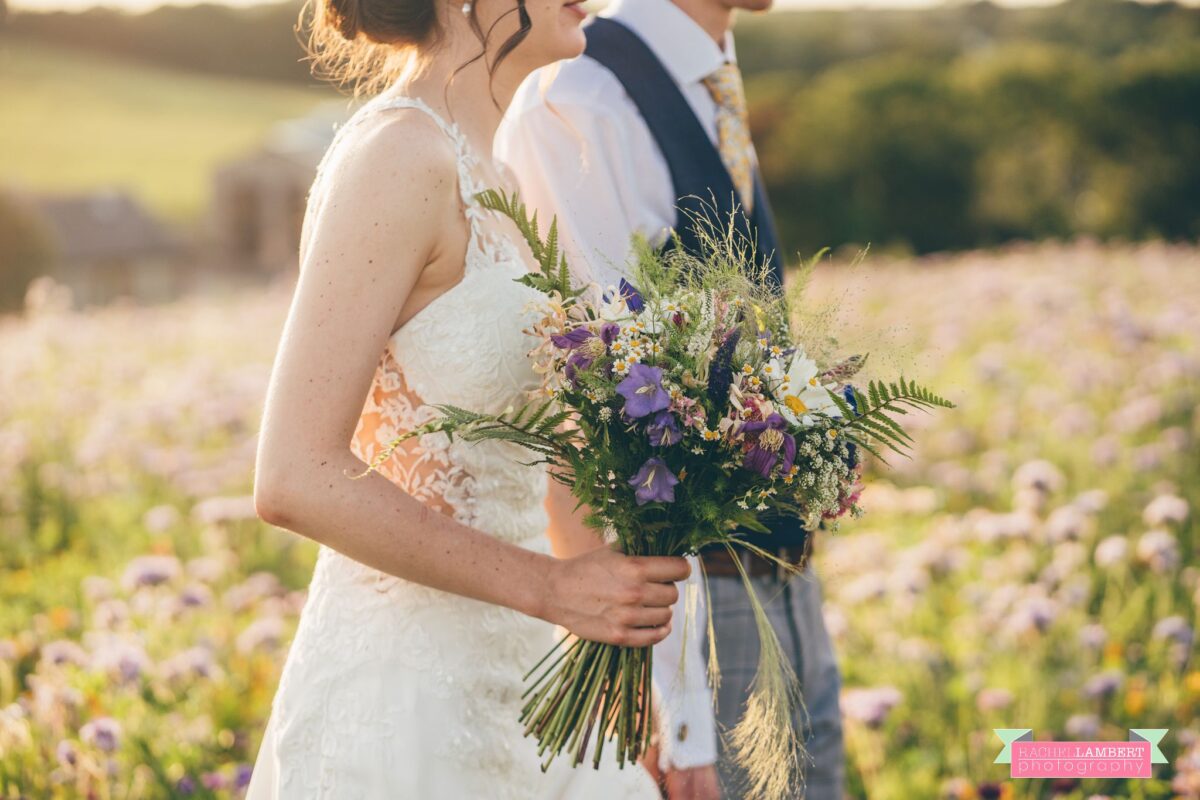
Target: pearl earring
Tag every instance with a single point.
(466, 8)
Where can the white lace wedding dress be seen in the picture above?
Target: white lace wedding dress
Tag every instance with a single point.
(392, 690)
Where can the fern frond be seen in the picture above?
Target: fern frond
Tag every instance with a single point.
(553, 275)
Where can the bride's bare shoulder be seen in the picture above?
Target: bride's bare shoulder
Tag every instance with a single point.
(388, 198)
(396, 154)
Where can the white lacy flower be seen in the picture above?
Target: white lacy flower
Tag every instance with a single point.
(801, 394)
(613, 309)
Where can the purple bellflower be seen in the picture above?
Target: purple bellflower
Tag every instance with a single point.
(643, 391)
(664, 430)
(654, 482)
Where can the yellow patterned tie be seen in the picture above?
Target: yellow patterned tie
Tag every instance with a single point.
(733, 129)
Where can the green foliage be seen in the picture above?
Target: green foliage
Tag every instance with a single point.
(872, 420)
(555, 278)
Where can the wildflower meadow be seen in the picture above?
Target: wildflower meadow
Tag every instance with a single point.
(1033, 565)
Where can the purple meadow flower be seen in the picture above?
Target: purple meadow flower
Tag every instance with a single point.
(150, 570)
(770, 443)
(186, 786)
(66, 753)
(720, 371)
(585, 346)
(654, 483)
(1103, 685)
(633, 298)
(643, 391)
(664, 430)
(103, 733)
(241, 778)
(572, 339)
(1173, 629)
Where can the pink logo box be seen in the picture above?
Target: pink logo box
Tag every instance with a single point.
(1030, 759)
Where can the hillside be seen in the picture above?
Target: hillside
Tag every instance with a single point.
(77, 121)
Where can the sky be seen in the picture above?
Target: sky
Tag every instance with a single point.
(140, 5)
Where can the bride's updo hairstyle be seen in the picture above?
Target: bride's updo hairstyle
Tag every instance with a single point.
(365, 45)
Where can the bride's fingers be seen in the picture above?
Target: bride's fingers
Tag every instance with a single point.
(644, 617)
(662, 569)
(642, 637)
(659, 594)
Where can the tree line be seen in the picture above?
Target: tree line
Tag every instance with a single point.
(945, 128)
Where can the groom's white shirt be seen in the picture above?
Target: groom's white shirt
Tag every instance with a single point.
(582, 152)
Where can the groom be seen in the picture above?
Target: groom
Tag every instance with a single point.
(644, 131)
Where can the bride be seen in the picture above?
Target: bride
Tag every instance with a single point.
(435, 588)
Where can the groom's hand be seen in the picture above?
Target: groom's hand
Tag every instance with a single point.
(697, 783)
(608, 597)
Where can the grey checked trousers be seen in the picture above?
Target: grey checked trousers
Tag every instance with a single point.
(794, 608)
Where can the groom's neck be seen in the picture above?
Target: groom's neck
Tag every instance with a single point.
(714, 17)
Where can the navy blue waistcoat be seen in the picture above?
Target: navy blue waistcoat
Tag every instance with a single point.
(699, 177)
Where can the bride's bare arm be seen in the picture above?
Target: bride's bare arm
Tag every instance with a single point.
(389, 227)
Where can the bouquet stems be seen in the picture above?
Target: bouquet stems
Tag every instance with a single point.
(591, 688)
(587, 689)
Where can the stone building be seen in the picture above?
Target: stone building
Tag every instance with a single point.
(107, 246)
(258, 199)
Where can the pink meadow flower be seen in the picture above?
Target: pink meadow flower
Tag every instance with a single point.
(193, 663)
(1041, 476)
(1111, 551)
(870, 706)
(96, 588)
(224, 509)
(1159, 550)
(1066, 523)
(263, 633)
(110, 615)
(64, 651)
(993, 699)
(254, 588)
(1083, 726)
(161, 519)
(1166, 509)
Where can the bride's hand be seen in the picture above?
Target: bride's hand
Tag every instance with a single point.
(609, 597)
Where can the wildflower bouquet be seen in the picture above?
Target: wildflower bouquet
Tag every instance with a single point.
(680, 411)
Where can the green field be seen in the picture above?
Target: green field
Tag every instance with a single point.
(74, 121)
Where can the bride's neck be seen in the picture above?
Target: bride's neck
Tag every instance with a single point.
(468, 95)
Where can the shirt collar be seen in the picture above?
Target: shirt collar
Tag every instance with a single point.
(684, 48)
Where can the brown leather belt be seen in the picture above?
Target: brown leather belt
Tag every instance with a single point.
(718, 562)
